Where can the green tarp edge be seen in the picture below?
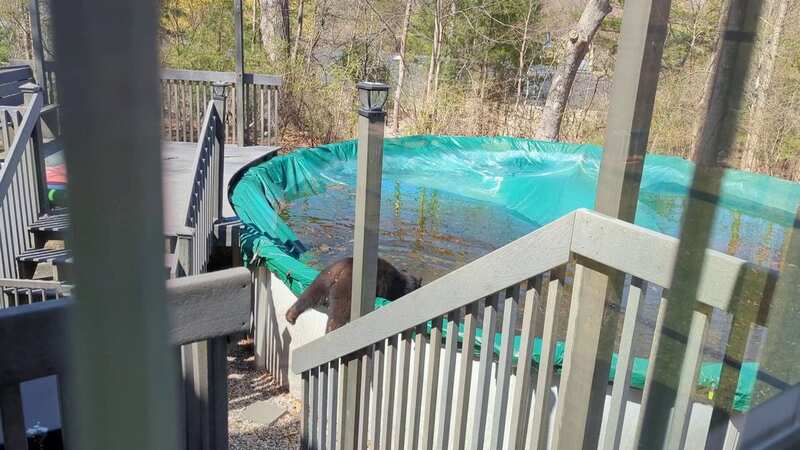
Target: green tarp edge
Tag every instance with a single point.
(267, 240)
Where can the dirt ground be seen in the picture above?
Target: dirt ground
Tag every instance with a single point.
(247, 385)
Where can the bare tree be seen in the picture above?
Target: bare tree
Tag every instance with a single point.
(401, 71)
(299, 32)
(578, 42)
(522, 50)
(769, 36)
(718, 111)
(436, 50)
(275, 28)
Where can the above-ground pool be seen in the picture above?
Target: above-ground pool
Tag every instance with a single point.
(445, 201)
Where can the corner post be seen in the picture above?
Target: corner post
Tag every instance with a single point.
(36, 45)
(219, 94)
(585, 380)
(28, 91)
(239, 40)
(371, 122)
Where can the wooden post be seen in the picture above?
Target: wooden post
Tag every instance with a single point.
(121, 361)
(28, 90)
(591, 341)
(716, 135)
(365, 247)
(38, 48)
(239, 39)
(220, 96)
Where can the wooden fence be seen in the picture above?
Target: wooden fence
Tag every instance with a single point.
(23, 195)
(204, 307)
(417, 399)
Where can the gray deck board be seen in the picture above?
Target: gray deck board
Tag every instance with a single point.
(177, 165)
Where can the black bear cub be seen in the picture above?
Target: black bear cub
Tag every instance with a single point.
(334, 286)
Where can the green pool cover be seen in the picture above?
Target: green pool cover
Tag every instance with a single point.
(539, 181)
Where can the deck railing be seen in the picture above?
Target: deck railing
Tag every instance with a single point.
(417, 387)
(184, 92)
(23, 194)
(205, 307)
(204, 205)
(15, 292)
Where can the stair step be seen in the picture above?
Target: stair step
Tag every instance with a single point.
(57, 221)
(43, 255)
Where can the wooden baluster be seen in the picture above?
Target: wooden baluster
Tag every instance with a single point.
(313, 410)
(622, 376)
(432, 380)
(401, 405)
(481, 405)
(323, 407)
(364, 392)
(522, 387)
(389, 386)
(377, 396)
(448, 376)
(306, 416)
(510, 309)
(540, 415)
(333, 405)
(415, 390)
(648, 380)
(679, 422)
(465, 376)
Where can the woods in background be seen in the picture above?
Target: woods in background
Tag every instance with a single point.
(533, 68)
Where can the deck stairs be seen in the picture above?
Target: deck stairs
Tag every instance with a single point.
(34, 233)
(55, 226)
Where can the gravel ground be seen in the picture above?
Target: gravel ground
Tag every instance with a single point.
(247, 385)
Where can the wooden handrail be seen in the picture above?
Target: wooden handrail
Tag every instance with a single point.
(29, 121)
(586, 234)
(23, 190)
(200, 307)
(204, 204)
(213, 76)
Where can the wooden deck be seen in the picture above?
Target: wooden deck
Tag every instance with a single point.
(178, 159)
(177, 164)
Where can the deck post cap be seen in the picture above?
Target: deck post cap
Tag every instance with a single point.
(30, 88)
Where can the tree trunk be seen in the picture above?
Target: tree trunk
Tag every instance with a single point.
(299, 33)
(275, 28)
(433, 68)
(522, 50)
(723, 90)
(320, 14)
(401, 70)
(769, 42)
(577, 46)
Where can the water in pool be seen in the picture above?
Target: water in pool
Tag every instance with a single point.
(425, 231)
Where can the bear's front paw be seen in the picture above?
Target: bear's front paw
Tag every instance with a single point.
(291, 316)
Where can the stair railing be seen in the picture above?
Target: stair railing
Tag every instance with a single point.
(204, 307)
(196, 240)
(15, 292)
(410, 395)
(23, 188)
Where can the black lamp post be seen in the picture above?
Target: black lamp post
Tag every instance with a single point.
(371, 122)
(372, 96)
